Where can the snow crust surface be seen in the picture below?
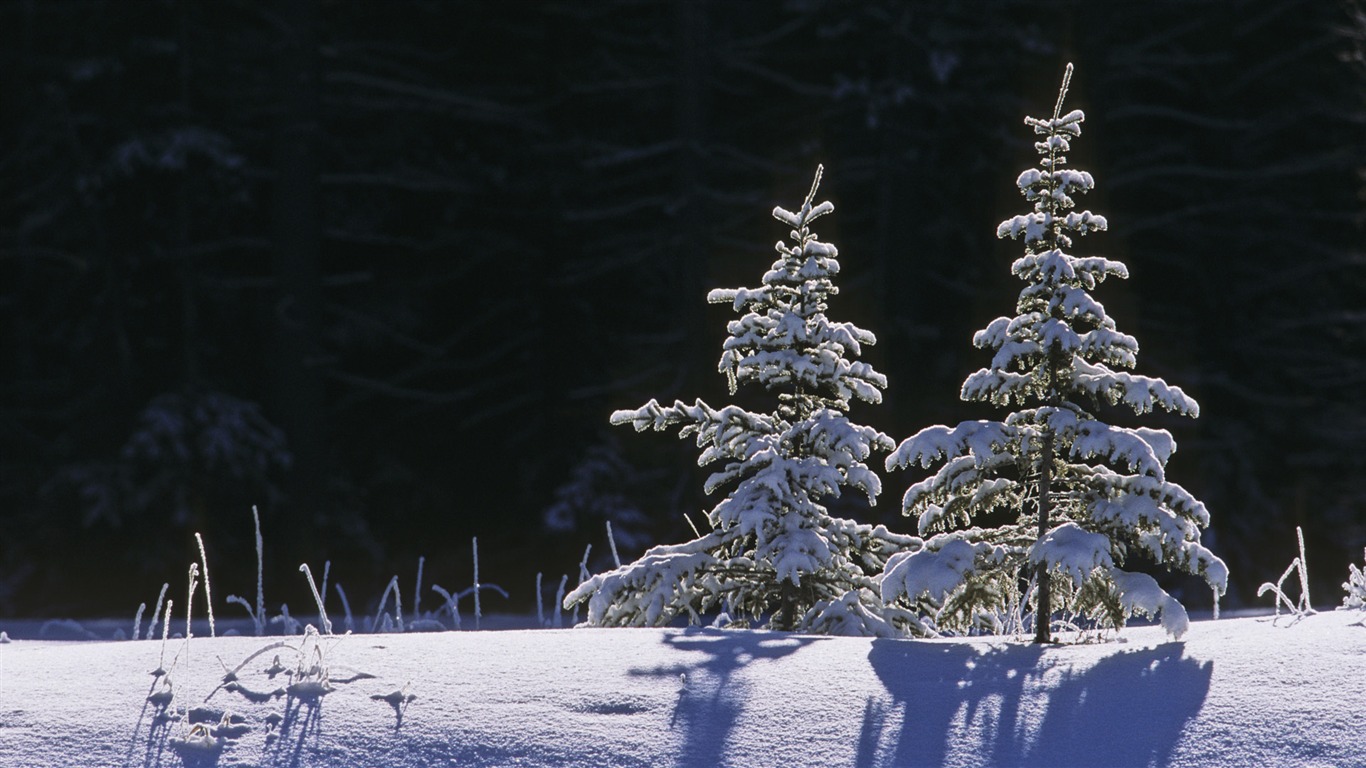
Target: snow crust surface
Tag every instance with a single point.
(1236, 692)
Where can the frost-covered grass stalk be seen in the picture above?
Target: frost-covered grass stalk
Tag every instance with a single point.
(346, 606)
(322, 612)
(288, 624)
(259, 618)
(239, 600)
(692, 525)
(584, 576)
(612, 542)
(137, 621)
(258, 615)
(208, 593)
(541, 620)
(559, 602)
(417, 589)
(540, 610)
(165, 632)
(156, 612)
(450, 602)
(1304, 570)
(384, 601)
(189, 600)
(584, 573)
(231, 676)
(477, 612)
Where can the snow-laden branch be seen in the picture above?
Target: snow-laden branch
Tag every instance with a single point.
(1141, 393)
(981, 439)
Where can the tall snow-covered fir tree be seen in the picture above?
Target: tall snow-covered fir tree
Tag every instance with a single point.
(1068, 500)
(773, 550)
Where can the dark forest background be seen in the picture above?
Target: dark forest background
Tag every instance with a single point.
(383, 269)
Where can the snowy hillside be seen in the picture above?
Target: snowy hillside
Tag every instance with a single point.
(1236, 692)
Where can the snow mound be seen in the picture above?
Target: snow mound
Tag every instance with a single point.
(1235, 692)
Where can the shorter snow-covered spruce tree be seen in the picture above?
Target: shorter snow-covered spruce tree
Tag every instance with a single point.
(1039, 513)
(773, 550)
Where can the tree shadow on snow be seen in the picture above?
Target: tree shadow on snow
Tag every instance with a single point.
(1027, 708)
(1130, 709)
(710, 696)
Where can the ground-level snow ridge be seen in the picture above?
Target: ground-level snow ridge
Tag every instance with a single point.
(1237, 692)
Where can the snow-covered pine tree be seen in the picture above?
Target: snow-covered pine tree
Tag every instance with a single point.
(773, 549)
(1076, 498)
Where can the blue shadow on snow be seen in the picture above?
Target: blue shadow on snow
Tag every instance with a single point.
(1128, 709)
(710, 698)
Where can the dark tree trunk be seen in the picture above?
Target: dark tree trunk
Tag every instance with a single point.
(788, 622)
(1044, 612)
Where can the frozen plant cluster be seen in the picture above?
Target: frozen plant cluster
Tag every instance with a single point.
(1298, 609)
(1355, 586)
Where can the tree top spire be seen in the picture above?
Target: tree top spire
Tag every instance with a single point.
(1062, 94)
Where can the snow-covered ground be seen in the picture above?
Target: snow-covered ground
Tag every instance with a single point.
(1235, 692)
